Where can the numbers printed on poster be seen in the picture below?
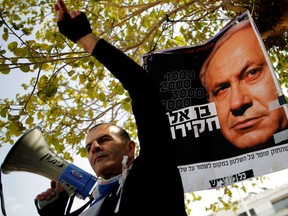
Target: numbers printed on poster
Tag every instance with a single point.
(180, 83)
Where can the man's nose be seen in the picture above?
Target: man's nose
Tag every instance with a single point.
(240, 100)
(95, 146)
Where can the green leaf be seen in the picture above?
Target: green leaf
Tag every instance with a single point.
(42, 96)
(25, 68)
(45, 66)
(51, 91)
(21, 52)
(3, 112)
(118, 89)
(42, 83)
(29, 120)
(14, 118)
(71, 73)
(2, 52)
(90, 113)
(82, 151)
(4, 69)
(82, 78)
(5, 36)
(126, 106)
(91, 93)
(102, 97)
(67, 156)
(12, 46)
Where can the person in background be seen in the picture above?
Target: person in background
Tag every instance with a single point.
(151, 183)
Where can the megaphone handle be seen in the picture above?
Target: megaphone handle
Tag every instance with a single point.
(55, 206)
(42, 203)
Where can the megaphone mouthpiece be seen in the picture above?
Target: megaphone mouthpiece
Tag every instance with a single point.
(31, 153)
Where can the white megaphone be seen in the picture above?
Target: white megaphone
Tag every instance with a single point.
(31, 153)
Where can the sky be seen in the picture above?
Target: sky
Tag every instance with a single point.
(20, 188)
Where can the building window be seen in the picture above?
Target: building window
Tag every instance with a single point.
(280, 204)
(252, 213)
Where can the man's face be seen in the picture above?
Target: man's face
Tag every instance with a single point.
(106, 150)
(240, 84)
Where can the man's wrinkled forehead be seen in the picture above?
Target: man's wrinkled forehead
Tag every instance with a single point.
(103, 129)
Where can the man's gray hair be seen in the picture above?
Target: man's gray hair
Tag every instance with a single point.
(238, 26)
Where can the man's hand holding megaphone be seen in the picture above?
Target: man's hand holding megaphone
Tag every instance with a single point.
(52, 201)
(51, 192)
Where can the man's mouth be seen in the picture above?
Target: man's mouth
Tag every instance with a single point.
(246, 124)
(98, 158)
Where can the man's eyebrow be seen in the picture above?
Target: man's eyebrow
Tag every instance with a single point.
(249, 63)
(244, 69)
(218, 86)
(98, 138)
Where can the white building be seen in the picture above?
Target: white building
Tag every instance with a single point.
(270, 202)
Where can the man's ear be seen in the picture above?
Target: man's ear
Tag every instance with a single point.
(131, 147)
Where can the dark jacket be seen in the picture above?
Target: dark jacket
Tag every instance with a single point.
(153, 186)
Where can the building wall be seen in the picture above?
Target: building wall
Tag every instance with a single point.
(262, 204)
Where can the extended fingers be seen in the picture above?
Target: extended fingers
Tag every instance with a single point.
(60, 8)
(59, 13)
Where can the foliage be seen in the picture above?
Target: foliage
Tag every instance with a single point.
(70, 90)
(228, 201)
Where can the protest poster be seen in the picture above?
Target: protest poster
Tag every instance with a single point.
(226, 109)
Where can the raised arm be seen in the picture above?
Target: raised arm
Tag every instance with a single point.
(75, 26)
(147, 109)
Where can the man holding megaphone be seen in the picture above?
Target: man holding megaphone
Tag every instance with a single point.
(150, 184)
(110, 152)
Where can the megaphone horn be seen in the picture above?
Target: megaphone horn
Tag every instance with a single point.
(31, 153)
